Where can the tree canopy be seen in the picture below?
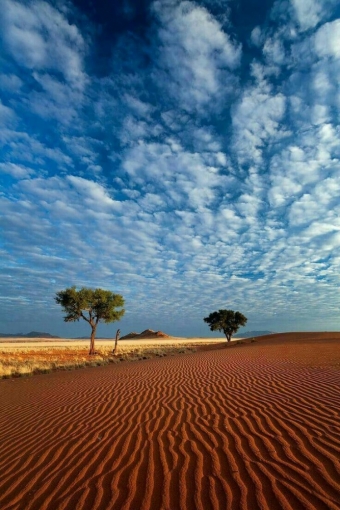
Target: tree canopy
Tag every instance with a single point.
(227, 321)
(92, 305)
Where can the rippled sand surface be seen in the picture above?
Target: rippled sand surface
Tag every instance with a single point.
(252, 426)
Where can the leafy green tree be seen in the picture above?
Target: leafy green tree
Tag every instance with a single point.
(92, 305)
(227, 321)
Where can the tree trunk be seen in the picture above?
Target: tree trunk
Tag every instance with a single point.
(228, 336)
(116, 341)
(93, 334)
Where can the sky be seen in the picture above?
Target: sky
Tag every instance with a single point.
(182, 154)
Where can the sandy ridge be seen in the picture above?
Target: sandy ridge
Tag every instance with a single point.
(249, 427)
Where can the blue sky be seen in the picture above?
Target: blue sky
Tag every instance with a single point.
(183, 154)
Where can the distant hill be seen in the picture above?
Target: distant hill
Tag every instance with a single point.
(147, 333)
(250, 334)
(32, 334)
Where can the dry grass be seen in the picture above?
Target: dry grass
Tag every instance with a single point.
(23, 359)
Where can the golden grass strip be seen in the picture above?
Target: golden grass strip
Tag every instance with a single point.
(23, 360)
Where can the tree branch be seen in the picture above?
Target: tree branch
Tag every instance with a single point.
(84, 317)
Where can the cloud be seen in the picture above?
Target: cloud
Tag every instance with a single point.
(39, 37)
(309, 13)
(189, 35)
(54, 99)
(25, 148)
(182, 176)
(256, 36)
(16, 171)
(10, 83)
(274, 51)
(44, 53)
(92, 192)
(7, 115)
(256, 119)
(327, 40)
(190, 166)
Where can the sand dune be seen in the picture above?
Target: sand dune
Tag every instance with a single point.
(253, 426)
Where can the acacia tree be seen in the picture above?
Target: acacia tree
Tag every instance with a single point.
(92, 305)
(227, 321)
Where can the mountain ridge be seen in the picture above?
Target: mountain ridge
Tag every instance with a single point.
(249, 334)
(31, 334)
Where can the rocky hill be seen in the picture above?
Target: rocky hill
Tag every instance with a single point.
(147, 333)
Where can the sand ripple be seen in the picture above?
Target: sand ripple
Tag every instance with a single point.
(252, 427)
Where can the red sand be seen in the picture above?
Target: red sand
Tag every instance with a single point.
(253, 426)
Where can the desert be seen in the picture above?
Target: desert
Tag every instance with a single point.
(252, 424)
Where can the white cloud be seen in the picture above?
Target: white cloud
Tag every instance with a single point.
(16, 171)
(10, 82)
(309, 13)
(137, 106)
(26, 148)
(256, 36)
(55, 100)
(92, 193)
(183, 177)
(7, 115)
(327, 40)
(196, 52)
(39, 37)
(274, 51)
(256, 120)
(161, 197)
